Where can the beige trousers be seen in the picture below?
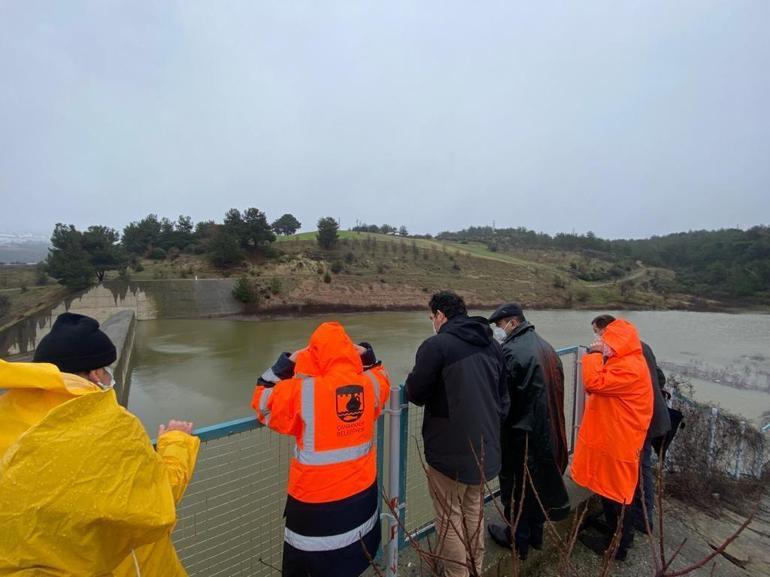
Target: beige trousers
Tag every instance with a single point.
(459, 512)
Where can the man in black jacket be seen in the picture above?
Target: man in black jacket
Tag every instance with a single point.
(458, 377)
(533, 434)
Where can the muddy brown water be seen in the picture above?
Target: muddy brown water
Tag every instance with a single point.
(205, 370)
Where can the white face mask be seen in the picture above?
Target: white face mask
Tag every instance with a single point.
(433, 326)
(112, 384)
(500, 333)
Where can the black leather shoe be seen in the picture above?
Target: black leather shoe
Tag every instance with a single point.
(599, 545)
(598, 523)
(596, 543)
(640, 526)
(501, 534)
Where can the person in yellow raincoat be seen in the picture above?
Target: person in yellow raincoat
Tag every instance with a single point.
(82, 491)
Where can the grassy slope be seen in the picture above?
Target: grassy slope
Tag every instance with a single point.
(17, 282)
(380, 271)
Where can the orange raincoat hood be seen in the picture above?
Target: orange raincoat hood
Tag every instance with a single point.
(330, 349)
(623, 337)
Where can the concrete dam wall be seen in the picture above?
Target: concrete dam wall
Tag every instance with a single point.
(152, 299)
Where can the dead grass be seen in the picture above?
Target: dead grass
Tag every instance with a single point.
(388, 271)
(18, 286)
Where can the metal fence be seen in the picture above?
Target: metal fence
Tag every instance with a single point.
(230, 522)
(715, 441)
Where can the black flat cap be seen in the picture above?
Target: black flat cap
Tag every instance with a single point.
(76, 345)
(505, 311)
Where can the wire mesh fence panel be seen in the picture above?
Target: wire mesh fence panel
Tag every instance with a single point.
(712, 441)
(230, 521)
(419, 507)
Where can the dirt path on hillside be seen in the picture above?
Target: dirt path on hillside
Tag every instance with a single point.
(637, 274)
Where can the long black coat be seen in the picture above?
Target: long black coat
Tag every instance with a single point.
(535, 378)
(661, 422)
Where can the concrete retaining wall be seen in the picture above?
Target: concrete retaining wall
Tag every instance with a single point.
(147, 299)
(121, 328)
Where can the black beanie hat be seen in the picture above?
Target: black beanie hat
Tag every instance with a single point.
(76, 345)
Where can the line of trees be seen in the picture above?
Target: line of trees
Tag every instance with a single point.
(721, 264)
(78, 258)
(382, 229)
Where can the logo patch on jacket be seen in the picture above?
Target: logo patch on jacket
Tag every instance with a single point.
(350, 403)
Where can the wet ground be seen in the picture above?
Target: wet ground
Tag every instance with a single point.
(691, 530)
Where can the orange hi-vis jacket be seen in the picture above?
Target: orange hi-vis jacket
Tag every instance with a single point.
(617, 415)
(330, 406)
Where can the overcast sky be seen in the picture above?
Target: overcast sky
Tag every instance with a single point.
(625, 118)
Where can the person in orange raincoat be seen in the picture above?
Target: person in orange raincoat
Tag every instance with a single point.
(614, 427)
(82, 491)
(328, 396)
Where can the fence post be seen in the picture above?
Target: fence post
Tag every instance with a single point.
(712, 436)
(394, 477)
(575, 369)
(739, 453)
(579, 399)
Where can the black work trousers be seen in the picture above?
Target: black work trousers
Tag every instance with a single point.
(529, 530)
(612, 513)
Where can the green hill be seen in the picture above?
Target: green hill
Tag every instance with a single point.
(375, 271)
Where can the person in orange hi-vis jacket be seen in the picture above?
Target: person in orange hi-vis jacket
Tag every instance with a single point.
(328, 396)
(614, 427)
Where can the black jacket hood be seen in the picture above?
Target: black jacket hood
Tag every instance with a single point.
(472, 330)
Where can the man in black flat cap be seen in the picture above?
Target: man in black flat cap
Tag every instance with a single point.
(533, 434)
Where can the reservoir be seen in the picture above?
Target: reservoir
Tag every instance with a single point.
(205, 370)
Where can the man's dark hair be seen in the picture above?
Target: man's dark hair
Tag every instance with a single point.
(449, 303)
(602, 321)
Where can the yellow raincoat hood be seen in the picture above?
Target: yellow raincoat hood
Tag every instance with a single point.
(80, 484)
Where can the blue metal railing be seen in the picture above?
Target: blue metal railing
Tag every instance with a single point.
(228, 488)
(227, 428)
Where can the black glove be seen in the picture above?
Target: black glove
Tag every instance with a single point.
(282, 369)
(368, 359)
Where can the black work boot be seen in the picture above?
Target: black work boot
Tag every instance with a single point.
(501, 534)
(599, 545)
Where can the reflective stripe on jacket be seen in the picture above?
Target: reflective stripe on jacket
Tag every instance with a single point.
(330, 406)
(616, 418)
(329, 539)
